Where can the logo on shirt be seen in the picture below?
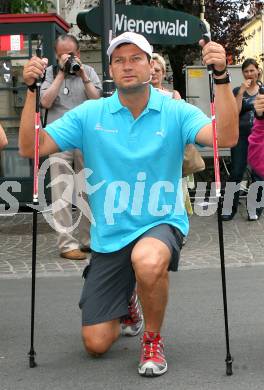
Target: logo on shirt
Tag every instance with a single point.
(160, 133)
(99, 127)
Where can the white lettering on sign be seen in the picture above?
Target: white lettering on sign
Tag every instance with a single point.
(151, 27)
(131, 24)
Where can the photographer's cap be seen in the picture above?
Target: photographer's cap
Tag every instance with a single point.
(130, 37)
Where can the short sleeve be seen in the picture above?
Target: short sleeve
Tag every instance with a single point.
(192, 120)
(235, 91)
(94, 77)
(48, 80)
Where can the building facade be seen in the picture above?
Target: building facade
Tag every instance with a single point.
(254, 34)
(20, 35)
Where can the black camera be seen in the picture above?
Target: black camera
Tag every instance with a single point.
(261, 89)
(71, 66)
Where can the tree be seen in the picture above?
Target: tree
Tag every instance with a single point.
(226, 24)
(226, 28)
(25, 6)
(5, 7)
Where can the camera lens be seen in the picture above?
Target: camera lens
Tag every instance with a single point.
(75, 66)
(72, 66)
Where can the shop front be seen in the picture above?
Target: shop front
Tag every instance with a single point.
(20, 35)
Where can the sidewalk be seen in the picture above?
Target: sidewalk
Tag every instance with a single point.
(244, 245)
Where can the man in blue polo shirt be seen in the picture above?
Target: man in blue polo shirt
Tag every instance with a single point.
(133, 146)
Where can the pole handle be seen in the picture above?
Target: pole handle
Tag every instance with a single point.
(210, 68)
(207, 38)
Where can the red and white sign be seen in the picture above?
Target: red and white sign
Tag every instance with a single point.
(11, 42)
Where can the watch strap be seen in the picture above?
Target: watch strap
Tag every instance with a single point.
(32, 87)
(218, 72)
(225, 80)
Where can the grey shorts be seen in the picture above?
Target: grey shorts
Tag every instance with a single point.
(110, 279)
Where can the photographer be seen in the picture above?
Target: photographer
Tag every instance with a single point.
(67, 85)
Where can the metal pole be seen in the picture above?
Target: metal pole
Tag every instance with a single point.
(108, 33)
(32, 352)
(228, 359)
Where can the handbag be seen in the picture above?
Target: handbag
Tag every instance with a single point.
(193, 161)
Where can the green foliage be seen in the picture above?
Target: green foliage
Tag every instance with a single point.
(226, 23)
(222, 15)
(226, 28)
(30, 6)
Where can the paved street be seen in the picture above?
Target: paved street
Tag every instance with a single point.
(193, 330)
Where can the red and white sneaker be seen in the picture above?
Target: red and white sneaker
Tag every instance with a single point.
(132, 324)
(152, 359)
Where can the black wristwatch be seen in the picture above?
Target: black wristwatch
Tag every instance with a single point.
(218, 72)
(225, 80)
(32, 87)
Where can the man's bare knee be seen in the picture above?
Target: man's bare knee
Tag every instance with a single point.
(96, 347)
(150, 263)
(97, 339)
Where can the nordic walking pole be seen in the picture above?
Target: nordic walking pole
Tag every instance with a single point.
(32, 352)
(228, 359)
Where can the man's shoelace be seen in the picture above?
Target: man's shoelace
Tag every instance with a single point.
(153, 349)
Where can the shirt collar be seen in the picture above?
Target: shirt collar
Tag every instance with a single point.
(154, 103)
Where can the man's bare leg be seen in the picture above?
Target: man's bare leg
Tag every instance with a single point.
(98, 338)
(150, 259)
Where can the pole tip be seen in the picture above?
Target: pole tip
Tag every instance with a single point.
(229, 370)
(31, 356)
(32, 362)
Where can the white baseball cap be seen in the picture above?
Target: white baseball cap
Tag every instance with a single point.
(130, 37)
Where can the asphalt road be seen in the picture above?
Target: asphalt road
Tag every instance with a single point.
(193, 332)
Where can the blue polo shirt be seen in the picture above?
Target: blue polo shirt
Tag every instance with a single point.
(134, 166)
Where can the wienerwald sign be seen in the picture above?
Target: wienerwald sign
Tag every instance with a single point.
(158, 25)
